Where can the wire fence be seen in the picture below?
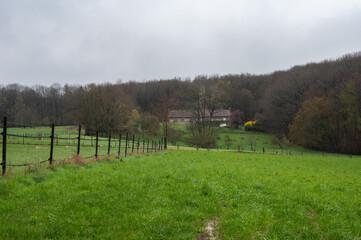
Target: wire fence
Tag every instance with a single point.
(56, 144)
(47, 139)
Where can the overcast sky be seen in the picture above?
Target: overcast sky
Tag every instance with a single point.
(95, 41)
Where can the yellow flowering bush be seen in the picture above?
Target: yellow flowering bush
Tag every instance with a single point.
(252, 126)
(250, 123)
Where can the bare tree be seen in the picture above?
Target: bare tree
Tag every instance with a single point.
(161, 110)
(236, 118)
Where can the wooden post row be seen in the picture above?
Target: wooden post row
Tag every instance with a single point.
(126, 145)
(133, 144)
(96, 144)
(137, 145)
(148, 146)
(109, 142)
(51, 144)
(79, 138)
(143, 144)
(120, 143)
(3, 163)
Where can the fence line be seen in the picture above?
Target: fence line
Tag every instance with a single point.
(131, 143)
(4, 132)
(128, 143)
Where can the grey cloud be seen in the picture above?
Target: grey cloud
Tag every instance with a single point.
(85, 41)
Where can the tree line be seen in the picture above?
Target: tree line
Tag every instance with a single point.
(316, 105)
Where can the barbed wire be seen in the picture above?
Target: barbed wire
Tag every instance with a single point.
(65, 145)
(103, 140)
(26, 164)
(61, 138)
(54, 160)
(26, 136)
(132, 144)
(103, 155)
(9, 123)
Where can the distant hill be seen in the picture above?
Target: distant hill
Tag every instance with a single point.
(325, 97)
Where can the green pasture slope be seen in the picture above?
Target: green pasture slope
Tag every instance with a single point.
(25, 150)
(175, 195)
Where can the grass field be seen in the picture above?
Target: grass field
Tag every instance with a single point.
(176, 195)
(241, 139)
(23, 149)
(32, 145)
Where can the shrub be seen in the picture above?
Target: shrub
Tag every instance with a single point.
(253, 126)
(205, 139)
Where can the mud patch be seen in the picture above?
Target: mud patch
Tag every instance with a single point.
(311, 215)
(210, 230)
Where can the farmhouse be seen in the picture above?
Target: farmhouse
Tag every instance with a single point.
(220, 115)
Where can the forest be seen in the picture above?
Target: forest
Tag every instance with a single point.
(317, 105)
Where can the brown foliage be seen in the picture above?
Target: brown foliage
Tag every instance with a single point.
(313, 124)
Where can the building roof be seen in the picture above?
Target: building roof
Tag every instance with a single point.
(180, 114)
(188, 113)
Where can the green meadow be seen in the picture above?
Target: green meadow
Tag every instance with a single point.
(25, 149)
(32, 146)
(241, 140)
(187, 195)
(270, 190)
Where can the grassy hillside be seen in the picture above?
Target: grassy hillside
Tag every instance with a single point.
(175, 195)
(28, 150)
(32, 145)
(241, 139)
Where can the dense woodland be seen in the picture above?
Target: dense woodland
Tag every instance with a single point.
(317, 105)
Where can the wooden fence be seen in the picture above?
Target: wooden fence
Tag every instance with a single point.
(125, 144)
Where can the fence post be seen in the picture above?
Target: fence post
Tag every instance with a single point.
(126, 144)
(138, 145)
(109, 142)
(79, 138)
(51, 144)
(152, 145)
(120, 143)
(3, 163)
(96, 144)
(133, 144)
(143, 144)
(148, 146)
